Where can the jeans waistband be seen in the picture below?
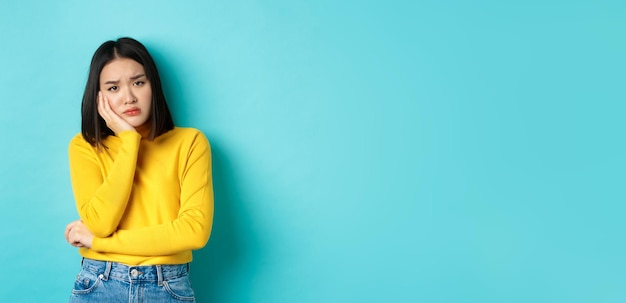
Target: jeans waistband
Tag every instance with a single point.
(131, 273)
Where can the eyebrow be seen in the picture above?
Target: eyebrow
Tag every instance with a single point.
(131, 78)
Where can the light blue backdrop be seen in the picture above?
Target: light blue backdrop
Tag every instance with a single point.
(364, 151)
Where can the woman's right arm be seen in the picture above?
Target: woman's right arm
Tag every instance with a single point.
(101, 200)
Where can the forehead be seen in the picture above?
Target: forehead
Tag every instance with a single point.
(120, 69)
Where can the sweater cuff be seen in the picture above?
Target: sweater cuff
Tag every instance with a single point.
(96, 244)
(129, 134)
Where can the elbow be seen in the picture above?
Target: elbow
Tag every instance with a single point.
(102, 233)
(100, 229)
(99, 225)
(200, 240)
(197, 245)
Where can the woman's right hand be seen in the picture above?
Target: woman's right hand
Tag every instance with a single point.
(113, 120)
(78, 235)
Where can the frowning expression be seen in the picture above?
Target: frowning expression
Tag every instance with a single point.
(124, 83)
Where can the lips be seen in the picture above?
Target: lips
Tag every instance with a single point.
(132, 111)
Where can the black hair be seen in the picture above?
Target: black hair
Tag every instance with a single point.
(94, 128)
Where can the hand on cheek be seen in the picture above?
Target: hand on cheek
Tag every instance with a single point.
(113, 120)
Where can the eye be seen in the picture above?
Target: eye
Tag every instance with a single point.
(139, 83)
(112, 88)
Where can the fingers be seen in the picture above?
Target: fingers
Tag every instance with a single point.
(73, 233)
(68, 228)
(78, 235)
(74, 237)
(101, 105)
(107, 105)
(104, 108)
(112, 119)
(101, 109)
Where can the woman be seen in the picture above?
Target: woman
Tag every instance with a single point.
(142, 186)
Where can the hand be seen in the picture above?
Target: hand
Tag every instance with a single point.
(78, 235)
(113, 120)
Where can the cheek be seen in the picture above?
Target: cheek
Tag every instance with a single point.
(116, 104)
(147, 95)
(147, 99)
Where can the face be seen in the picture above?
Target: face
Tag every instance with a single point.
(124, 83)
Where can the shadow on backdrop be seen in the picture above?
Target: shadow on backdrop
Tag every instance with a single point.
(214, 266)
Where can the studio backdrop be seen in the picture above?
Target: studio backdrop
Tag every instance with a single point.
(363, 151)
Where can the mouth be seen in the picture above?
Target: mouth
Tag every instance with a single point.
(132, 112)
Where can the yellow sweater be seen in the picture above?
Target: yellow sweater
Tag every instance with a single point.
(146, 202)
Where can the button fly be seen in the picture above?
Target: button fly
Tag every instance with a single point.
(134, 272)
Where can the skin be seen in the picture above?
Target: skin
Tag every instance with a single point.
(124, 102)
(78, 235)
(124, 87)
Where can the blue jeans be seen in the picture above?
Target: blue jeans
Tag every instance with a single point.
(101, 281)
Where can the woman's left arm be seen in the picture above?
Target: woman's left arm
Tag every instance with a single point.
(189, 231)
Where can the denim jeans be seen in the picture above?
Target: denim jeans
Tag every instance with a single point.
(101, 281)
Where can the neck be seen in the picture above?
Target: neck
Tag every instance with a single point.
(144, 130)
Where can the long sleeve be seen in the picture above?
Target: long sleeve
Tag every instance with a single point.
(190, 229)
(102, 192)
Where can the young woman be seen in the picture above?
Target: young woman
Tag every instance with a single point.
(142, 186)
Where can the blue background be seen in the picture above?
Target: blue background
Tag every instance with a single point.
(364, 151)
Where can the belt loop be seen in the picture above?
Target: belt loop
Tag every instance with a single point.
(159, 275)
(188, 269)
(107, 271)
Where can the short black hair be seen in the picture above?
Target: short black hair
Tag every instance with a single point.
(94, 128)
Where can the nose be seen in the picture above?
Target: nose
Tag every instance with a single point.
(130, 98)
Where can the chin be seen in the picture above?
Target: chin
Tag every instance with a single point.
(137, 123)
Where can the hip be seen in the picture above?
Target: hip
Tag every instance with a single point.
(105, 281)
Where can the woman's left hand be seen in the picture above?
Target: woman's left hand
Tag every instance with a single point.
(78, 235)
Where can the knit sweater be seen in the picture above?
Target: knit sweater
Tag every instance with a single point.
(146, 202)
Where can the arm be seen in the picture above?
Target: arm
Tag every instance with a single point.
(101, 201)
(192, 227)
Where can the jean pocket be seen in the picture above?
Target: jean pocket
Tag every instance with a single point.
(180, 289)
(86, 282)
